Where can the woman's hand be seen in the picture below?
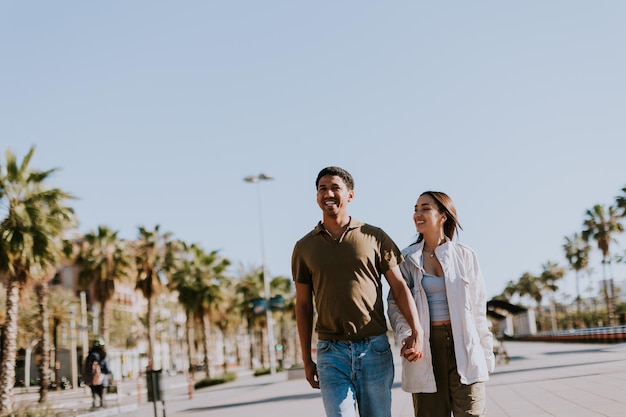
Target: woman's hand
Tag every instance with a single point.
(411, 348)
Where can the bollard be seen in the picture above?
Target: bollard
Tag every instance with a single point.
(190, 387)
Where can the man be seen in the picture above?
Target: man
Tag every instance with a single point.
(339, 264)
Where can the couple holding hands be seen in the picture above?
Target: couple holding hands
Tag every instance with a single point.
(436, 305)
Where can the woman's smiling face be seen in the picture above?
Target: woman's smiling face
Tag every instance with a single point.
(427, 216)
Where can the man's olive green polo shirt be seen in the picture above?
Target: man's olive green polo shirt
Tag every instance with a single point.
(345, 276)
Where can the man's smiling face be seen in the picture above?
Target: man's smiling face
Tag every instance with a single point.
(333, 195)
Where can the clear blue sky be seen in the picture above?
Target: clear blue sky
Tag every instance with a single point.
(155, 111)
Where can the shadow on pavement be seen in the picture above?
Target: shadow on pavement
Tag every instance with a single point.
(575, 351)
(263, 401)
(542, 368)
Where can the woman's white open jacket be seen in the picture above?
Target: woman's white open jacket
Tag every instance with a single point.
(465, 289)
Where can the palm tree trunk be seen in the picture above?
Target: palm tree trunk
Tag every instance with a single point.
(608, 293)
(55, 344)
(41, 289)
(251, 338)
(9, 346)
(205, 343)
(578, 315)
(539, 318)
(224, 351)
(150, 322)
(190, 343)
(104, 320)
(263, 338)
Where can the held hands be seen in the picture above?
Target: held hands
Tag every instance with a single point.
(412, 346)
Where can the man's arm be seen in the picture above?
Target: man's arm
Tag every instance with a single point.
(304, 321)
(413, 345)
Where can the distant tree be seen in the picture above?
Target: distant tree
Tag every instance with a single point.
(183, 283)
(620, 202)
(104, 260)
(119, 334)
(204, 290)
(29, 320)
(577, 255)
(550, 274)
(210, 279)
(249, 290)
(509, 291)
(528, 286)
(153, 260)
(283, 287)
(601, 225)
(226, 314)
(59, 302)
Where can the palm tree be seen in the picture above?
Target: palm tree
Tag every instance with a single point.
(528, 286)
(249, 289)
(29, 327)
(36, 218)
(509, 291)
(551, 273)
(59, 303)
(577, 255)
(600, 225)
(283, 287)
(620, 202)
(226, 315)
(183, 283)
(43, 349)
(104, 260)
(202, 286)
(209, 279)
(42, 275)
(153, 260)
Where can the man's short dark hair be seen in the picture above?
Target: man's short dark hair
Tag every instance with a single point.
(336, 171)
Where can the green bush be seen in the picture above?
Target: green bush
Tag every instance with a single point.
(266, 371)
(207, 382)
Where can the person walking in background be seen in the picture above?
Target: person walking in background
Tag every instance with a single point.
(449, 293)
(96, 372)
(339, 266)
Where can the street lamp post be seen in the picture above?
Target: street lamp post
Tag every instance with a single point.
(266, 279)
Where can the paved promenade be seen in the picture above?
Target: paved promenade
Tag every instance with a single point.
(542, 379)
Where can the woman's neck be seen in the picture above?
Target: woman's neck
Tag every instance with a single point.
(431, 242)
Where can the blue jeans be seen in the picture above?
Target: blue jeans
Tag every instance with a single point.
(356, 373)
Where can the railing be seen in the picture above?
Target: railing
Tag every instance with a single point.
(608, 334)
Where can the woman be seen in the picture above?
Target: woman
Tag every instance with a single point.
(449, 292)
(96, 372)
